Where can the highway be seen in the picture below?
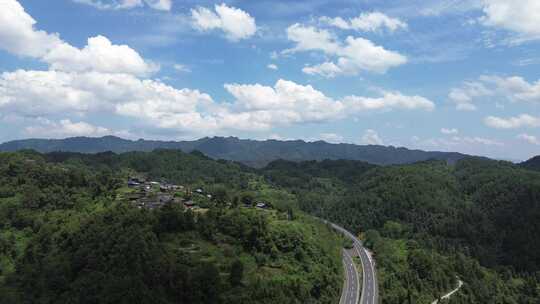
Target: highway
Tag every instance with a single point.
(370, 289)
(351, 288)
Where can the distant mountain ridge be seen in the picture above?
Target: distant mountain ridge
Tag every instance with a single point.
(254, 153)
(532, 164)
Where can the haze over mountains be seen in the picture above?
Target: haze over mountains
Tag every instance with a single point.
(250, 152)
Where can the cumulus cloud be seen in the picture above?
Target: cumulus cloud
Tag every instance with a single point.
(98, 55)
(371, 137)
(292, 102)
(256, 107)
(513, 88)
(448, 131)
(286, 102)
(164, 5)
(64, 128)
(521, 121)
(464, 97)
(103, 78)
(234, 22)
(352, 55)
(389, 100)
(18, 36)
(309, 38)
(272, 67)
(17, 33)
(520, 17)
(531, 139)
(47, 92)
(367, 22)
(465, 142)
(331, 137)
(326, 69)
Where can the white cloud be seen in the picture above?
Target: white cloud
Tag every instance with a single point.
(331, 137)
(309, 38)
(256, 107)
(17, 33)
(326, 69)
(444, 7)
(47, 92)
(389, 100)
(465, 142)
(234, 22)
(164, 5)
(336, 22)
(527, 61)
(182, 68)
(98, 55)
(272, 67)
(520, 17)
(352, 55)
(18, 36)
(521, 121)
(368, 22)
(448, 131)
(63, 128)
(103, 78)
(286, 102)
(531, 139)
(515, 88)
(464, 97)
(479, 140)
(112, 4)
(371, 137)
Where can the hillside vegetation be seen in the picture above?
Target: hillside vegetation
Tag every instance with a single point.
(429, 223)
(67, 233)
(66, 236)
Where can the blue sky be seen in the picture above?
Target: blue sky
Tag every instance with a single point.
(435, 75)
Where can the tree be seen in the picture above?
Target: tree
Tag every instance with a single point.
(237, 273)
(220, 195)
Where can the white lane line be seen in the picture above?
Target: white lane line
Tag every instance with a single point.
(355, 276)
(344, 294)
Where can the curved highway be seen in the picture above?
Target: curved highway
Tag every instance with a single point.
(351, 288)
(370, 290)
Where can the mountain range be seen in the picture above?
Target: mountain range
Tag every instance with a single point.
(253, 153)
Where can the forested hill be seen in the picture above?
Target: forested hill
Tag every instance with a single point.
(73, 231)
(532, 164)
(68, 231)
(429, 223)
(250, 152)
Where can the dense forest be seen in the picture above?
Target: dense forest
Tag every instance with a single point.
(67, 236)
(431, 224)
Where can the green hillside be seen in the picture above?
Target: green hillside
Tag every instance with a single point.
(69, 235)
(429, 223)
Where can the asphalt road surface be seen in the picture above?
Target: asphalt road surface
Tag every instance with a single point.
(351, 288)
(370, 290)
